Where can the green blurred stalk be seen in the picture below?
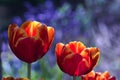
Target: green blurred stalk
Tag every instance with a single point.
(74, 78)
(77, 78)
(29, 71)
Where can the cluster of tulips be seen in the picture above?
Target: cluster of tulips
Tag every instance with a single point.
(33, 39)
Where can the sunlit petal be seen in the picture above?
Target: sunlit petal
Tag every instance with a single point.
(76, 47)
(50, 31)
(59, 48)
(98, 76)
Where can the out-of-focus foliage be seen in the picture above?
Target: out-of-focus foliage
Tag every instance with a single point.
(40, 70)
(96, 23)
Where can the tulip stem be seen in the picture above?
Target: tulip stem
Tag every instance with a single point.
(74, 78)
(29, 71)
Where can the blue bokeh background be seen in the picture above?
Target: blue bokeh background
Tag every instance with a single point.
(94, 22)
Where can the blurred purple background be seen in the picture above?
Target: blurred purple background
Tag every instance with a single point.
(95, 23)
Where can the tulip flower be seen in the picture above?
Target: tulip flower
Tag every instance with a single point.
(98, 76)
(75, 59)
(31, 41)
(12, 78)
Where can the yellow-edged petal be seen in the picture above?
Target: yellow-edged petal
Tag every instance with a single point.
(106, 74)
(59, 49)
(14, 33)
(91, 74)
(26, 24)
(94, 54)
(42, 33)
(51, 32)
(31, 27)
(11, 30)
(76, 47)
(82, 67)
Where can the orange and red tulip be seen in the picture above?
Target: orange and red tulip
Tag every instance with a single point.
(98, 76)
(31, 41)
(75, 59)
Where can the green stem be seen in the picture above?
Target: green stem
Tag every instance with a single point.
(29, 71)
(74, 78)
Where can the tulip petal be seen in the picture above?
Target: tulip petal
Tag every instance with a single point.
(89, 76)
(14, 33)
(31, 48)
(70, 64)
(50, 31)
(85, 53)
(8, 78)
(11, 29)
(94, 52)
(58, 49)
(30, 27)
(65, 52)
(43, 35)
(98, 76)
(92, 56)
(112, 78)
(106, 74)
(95, 55)
(21, 79)
(76, 47)
(18, 34)
(82, 67)
(26, 24)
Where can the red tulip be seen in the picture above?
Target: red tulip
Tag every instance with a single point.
(75, 59)
(98, 76)
(31, 41)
